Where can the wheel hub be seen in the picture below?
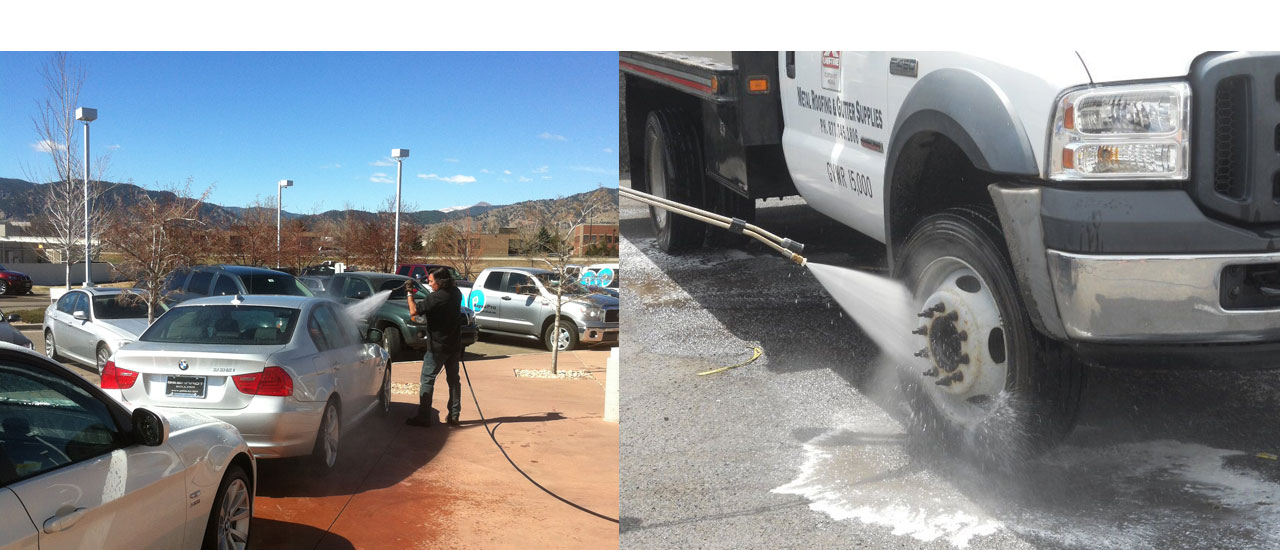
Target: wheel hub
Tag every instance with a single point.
(961, 339)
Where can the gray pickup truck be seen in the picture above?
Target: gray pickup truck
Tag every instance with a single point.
(520, 301)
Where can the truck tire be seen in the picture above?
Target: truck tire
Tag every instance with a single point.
(392, 341)
(991, 385)
(673, 170)
(566, 336)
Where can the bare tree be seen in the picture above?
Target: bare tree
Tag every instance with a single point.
(156, 236)
(457, 245)
(55, 126)
(368, 239)
(548, 242)
(251, 239)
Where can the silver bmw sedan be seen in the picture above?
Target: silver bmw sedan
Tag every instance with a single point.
(87, 325)
(290, 372)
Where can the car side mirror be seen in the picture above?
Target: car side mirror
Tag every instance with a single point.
(14, 318)
(374, 336)
(80, 315)
(149, 428)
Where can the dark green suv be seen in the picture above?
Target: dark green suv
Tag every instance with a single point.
(352, 287)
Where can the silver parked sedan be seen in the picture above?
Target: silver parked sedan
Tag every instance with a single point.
(78, 470)
(291, 372)
(88, 325)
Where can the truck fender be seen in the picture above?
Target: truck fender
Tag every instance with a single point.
(971, 111)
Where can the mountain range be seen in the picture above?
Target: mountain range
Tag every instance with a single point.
(20, 200)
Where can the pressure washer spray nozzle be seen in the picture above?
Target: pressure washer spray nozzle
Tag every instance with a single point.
(793, 246)
(799, 260)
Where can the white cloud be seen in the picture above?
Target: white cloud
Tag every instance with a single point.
(524, 179)
(608, 150)
(381, 178)
(112, 147)
(541, 170)
(595, 170)
(507, 172)
(485, 171)
(551, 136)
(46, 146)
(458, 179)
(383, 162)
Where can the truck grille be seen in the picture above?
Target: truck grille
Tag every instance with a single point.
(610, 315)
(1236, 126)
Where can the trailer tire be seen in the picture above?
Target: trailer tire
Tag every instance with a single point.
(1019, 392)
(673, 171)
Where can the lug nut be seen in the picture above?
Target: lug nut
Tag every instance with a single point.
(953, 316)
(937, 308)
(921, 331)
(923, 353)
(948, 380)
(963, 360)
(931, 372)
(963, 336)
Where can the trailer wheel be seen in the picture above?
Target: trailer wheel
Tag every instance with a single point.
(673, 170)
(985, 380)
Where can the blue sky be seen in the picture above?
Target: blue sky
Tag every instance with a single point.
(493, 127)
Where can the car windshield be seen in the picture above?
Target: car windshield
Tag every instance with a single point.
(272, 283)
(119, 306)
(552, 280)
(224, 324)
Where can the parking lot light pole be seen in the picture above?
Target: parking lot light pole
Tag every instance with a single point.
(86, 115)
(399, 155)
(279, 195)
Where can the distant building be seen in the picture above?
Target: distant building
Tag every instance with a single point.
(602, 236)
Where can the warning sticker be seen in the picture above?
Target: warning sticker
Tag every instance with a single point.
(831, 71)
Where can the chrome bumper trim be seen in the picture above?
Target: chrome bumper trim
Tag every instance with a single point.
(1166, 299)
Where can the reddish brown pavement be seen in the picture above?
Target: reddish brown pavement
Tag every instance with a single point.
(404, 487)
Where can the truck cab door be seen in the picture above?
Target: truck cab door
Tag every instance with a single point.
(835, 133)
(520, 310)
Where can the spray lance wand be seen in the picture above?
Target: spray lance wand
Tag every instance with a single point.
(788, 248)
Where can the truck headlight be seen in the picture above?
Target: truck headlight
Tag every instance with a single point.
(1138, 131)
(593, 312)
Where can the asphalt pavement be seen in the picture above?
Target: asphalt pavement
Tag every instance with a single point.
(806, 447)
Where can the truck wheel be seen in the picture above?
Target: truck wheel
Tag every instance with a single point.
(985, 380)
(566, 336)
(4, 287)
(391, 341)
(673, 170)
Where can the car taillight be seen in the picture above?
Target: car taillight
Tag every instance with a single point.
(272, 381)
(116, 378)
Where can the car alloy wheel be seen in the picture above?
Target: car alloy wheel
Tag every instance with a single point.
(50, 350)
(104, 353)
(234, 516)
(331, 437)
(385, 397)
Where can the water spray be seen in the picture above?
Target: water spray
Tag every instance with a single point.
(788, 248)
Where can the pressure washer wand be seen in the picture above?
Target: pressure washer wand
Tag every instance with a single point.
(787, 247)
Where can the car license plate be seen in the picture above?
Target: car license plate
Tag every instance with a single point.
(184, 386)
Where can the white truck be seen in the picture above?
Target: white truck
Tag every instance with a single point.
(1046, 210)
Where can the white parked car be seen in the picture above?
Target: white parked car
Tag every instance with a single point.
(79, 470)
(291, 372)
(88, 325)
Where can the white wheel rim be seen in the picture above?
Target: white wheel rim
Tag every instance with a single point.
(657, 180)
(330, 436)
(965, 335)
(48, 345)
(234, 517)
(103, 354)
(562, 338)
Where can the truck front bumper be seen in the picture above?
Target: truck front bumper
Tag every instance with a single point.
(1145, 270)
(595, 333)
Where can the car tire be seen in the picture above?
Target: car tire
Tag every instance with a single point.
(567, 336)
(4, 287)
(392, 341)
(384, 394)
(102, 354)
(50, 346)
(1022, 390)
(232, 512)
(324, 456)
(673, 171)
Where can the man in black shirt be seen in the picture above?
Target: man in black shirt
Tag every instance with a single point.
(441, 309)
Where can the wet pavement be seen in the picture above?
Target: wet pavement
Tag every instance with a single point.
(806, 446)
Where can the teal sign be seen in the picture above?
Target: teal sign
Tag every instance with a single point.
(597, 278)
(475, 300)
